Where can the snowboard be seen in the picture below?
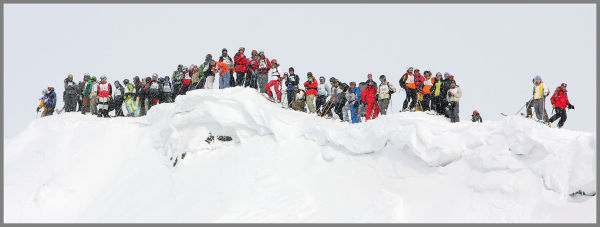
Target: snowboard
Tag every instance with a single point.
(132, 107)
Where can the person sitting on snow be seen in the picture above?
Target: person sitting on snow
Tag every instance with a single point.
(475, 117)
(299, 99)
(48, 101)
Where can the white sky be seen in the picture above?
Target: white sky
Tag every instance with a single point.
(493, 50)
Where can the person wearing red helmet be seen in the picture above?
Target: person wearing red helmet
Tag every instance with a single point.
(476, 117)
(275, 79)
(560, 101)
(368, 96)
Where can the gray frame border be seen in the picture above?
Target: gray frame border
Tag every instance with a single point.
(293, 2)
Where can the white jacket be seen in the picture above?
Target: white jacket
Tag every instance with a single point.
(274, 74)
(457, 93)
(540, 89)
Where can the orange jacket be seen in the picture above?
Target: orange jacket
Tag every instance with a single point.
(427, 84)
(221, 67)
(409, 80)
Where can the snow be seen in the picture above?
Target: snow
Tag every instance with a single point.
(288, 166)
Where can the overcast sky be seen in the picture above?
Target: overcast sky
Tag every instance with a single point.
(493, 50)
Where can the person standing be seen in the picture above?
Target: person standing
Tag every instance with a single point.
(223, 71)
(453, 97)
(70, 94)
(408, 83)
(275, 78)
(104, 92)
(311, 91)
(385, 91)
(241, 65)
(292, 81)
(560, 102)
(351, 98)
(540, 92)
(368, 96)
(208, 69)
(167, 89)
(263, 69)
(129, 98)
(177, 80)
(195, 78)
(428, 90)
(118, 99)
(323, 91)
(227, 60)
(94, 97)
(436, 101)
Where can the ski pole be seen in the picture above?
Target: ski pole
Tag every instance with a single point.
(523, 106)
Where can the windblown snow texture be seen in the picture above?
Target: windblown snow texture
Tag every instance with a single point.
(287, 166)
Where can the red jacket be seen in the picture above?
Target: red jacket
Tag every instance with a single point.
(560, 99)
(419, 79)
(241, 63)
(368, 94)
(311, 88)
(253, 64)
(104, 90)
(263, 70)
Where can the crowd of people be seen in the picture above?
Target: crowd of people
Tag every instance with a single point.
(351, 102)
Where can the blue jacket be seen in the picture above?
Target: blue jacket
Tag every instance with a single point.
(50, 99)
(358, 93)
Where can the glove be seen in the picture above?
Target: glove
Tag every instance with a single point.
(390, 92)
(37, 109)
(310, 79)
(571, 106)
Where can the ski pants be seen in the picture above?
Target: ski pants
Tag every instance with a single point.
(453, 112)
(167, 97)
(177, 87)
(372, 108)
(427, 100)
(262, 82)
(224, 81)
(118, 105)
(210, 80)
(298, 105)
(290, 97)
(559, 113)
(48, 110)
(353, 112)
(275, 84)
(194, 86)
(93, 104)
(338, 110)
(103, 105)
(436, 104)
(411, 96)
(310, 102)
(321, 99)
(239, 78)
(383, 105)
(71, 102)
(540, 109)
(231, 79)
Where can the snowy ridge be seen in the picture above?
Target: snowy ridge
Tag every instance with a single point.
(287, 166)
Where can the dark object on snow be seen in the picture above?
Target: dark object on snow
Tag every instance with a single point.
(210, 138)
(224, 138)
(580, 192)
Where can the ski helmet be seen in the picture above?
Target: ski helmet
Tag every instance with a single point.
(427, 73)
(148, 79)
(274, 61)
(475, 112)
(254, 52)
(154, 75)
(446, 75)
(86, 74)
(126, 81)
(291, 69)
(50, 89)
(93, 78)
(208, 56)
(438, 74)
(322, 78)
(382, 77)
(537, 77)
(161, 79)
(103, 78)
(262, 53)
(309, 73)
(242, 48)
(286, 74)
(224, 49)
(332, 80)
(563, 85)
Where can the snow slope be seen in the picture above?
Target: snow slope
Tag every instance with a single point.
(287, 166)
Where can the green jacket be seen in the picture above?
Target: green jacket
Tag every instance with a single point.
(201, 70)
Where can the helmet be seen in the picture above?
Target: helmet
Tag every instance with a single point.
(86, 74)
(117, 82)
(309, 73)
(209, 56)
(242, 48)
(125, 81)
(45, 92)
(148, 79)
(446, 75)
(254, 52)
(427, 73)
(438, 74)
(537, 77)
(563, 85)
(185, 68)
(371, 82)
(224, 49)
(382, 77)
(274, 61)
(156, 75)
(261, 53)
(50, 89)
(410, 68)
(475, 112)
(332, 80)
(291, 69)
(161, 79)
(136, 78)
(368, 75)
(103, 77)
(451, 77)
(286, 74)
(179, 66)
(322, 78)
(93, 78)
